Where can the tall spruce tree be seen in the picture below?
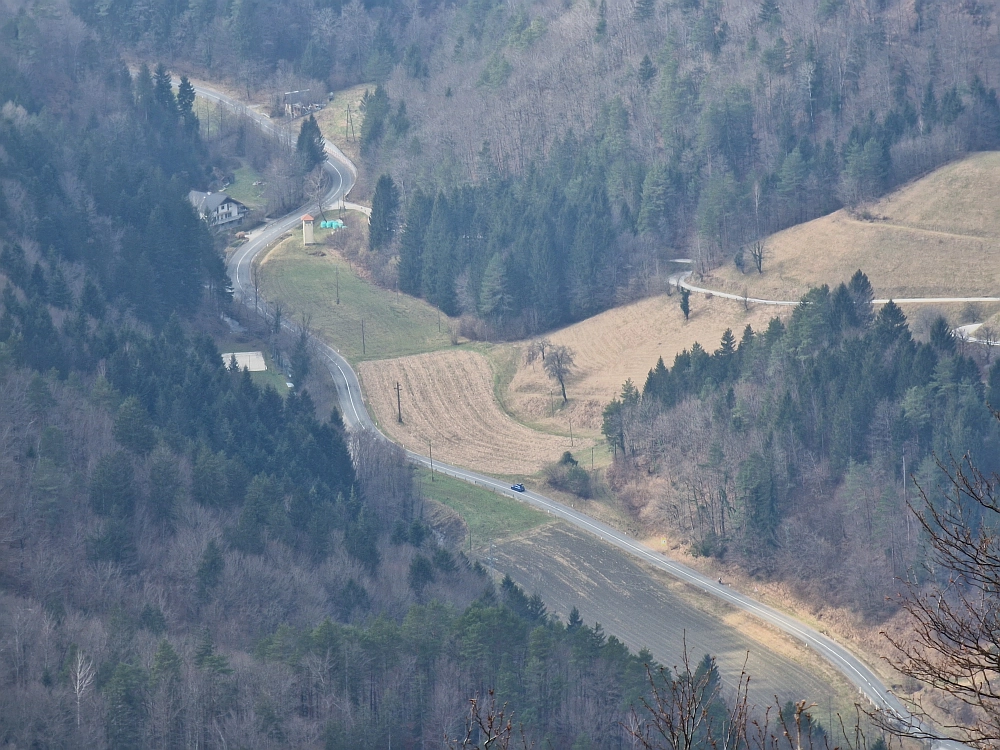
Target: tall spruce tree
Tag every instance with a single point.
(385, 214)
(309, 146)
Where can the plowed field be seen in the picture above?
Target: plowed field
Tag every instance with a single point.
(645, 608)
(447, 399)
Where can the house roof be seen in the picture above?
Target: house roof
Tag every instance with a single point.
(205, 203)
(307, 217)
(299, 97)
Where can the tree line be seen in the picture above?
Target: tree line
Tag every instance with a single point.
(187, 557)
(794, 437)
(705, 126)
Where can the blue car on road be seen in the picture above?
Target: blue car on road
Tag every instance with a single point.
(517, 487)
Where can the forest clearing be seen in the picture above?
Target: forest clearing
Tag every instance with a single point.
(936, 237)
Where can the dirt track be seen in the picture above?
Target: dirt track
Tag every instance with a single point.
(644, 608)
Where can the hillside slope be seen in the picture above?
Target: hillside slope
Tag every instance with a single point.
(936, 237)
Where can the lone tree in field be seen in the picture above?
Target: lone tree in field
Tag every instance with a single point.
(558, 365)
(686, 302)
(536, 350)
(385, 214)
(757, 254)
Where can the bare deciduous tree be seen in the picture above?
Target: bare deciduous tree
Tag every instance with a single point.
(314, 189)
(682, 712)
(81, 676)
(558, 366)
(488, 726)
(255, 279)
(954, 637)
(757, 250)
(385, 476)
(536, 349)
(990, 338)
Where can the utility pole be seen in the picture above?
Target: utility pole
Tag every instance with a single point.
(349, 124)
(430, 453)
(571, 433)
(338, 285)
(362, 337)
(591, 458)
(399, 408)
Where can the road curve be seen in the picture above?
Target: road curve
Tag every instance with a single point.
(355, 416)
(340, 170)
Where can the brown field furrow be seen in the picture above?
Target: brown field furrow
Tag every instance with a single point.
(647, 609)
(448, 400)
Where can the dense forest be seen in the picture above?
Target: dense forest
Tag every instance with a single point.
(784, 449)
(187, 558)
(678, 127)
(190, 559)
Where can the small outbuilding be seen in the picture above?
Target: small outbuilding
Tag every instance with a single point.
(307, 230)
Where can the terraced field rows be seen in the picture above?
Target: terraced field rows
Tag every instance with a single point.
(447, 399)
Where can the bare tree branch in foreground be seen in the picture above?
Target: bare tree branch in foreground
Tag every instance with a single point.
(488, 727)
(954, 644)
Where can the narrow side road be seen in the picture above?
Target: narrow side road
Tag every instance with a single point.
(681, 280)
(355, 415)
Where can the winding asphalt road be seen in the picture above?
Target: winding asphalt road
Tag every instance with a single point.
(343, 174)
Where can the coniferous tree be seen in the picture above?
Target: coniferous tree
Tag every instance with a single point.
(647, 71)
(132, 428)
(385, 214)
(644, 10)
(126, 719)
(309, 146)
(163, 92)
(770, 15)
(185, 104)
(411, 249)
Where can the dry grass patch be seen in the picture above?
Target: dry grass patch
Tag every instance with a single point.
(937, 237)
(447, 398)
(619, 344)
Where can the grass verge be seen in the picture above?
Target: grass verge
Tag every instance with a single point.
(306, 281)
(332, 120)
(489, 516)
